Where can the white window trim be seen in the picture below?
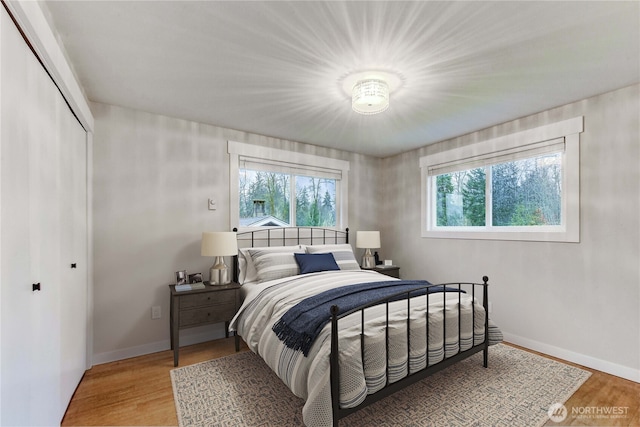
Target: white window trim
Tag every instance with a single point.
(240, 149)
(568, 232)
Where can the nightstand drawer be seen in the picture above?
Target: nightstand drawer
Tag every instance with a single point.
(213, 314)
(209, 298)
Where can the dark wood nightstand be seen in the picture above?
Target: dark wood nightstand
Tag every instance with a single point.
(213, 304)
(390, 270)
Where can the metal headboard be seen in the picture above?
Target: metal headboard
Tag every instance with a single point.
(285, 236)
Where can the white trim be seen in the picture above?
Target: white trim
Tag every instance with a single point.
(1, 287)
(157, 346)
(90, 304)
(568, 232)
(571, 356)
(238, 149)
(506, 142)
(34, 25)
(268, 165)
(262, 152)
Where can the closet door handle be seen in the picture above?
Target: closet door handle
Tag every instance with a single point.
(35, 287)
(73, 265)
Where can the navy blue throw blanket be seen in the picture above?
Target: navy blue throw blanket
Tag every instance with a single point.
(300, 325)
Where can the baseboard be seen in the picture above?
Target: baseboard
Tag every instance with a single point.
(581, 359)
(154, 347)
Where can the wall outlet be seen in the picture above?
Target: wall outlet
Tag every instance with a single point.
(156, 312)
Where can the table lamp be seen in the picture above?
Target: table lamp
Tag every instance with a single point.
(219, 244)
(368, 240)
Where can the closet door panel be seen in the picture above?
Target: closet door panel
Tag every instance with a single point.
(73, 292)
(43, 224)
(16, 294)
(41, 103)
(31, 231)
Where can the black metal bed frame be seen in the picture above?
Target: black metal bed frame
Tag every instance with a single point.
(288, 236)
(292, 235)
(418, 375)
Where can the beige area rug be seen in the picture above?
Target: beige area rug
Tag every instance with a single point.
(516, 390)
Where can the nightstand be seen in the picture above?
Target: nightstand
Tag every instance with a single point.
(389, 270)
(213, 304)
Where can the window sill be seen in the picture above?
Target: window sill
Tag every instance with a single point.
(550, 234)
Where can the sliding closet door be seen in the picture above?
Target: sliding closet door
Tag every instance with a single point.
(73, 251)
(17, 310)
(30, 184)
(40, 102)
(43, 226)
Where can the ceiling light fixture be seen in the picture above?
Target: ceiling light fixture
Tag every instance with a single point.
(370, 96)
(370, 91)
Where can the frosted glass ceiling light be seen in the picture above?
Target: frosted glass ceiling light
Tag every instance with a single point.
(370, 96)
(369, 91)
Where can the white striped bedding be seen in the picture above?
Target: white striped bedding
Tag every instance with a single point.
(308, 377)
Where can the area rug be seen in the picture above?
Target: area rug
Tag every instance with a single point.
(516, 389)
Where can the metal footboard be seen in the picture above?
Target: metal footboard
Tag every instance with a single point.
(411, 377)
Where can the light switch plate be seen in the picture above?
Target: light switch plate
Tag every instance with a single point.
(212, 204)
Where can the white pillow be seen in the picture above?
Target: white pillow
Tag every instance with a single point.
(246, 270)
(343, 254)
(269, 263)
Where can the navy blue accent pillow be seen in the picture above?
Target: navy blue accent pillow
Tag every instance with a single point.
(311, 263)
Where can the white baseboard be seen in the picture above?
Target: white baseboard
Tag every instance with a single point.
(581, 359)
(154, 347)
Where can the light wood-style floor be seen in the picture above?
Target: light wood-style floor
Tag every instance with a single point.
(138, 392)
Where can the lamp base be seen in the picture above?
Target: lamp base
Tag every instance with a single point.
(368, 260)
(219, 272)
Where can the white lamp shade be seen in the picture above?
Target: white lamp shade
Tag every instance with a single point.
(368, 239)
(219, 243)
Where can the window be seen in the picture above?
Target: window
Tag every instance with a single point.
(275, 198)
(278, 188)
(524, 186)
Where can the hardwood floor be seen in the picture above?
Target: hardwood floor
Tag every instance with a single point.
(138, 392)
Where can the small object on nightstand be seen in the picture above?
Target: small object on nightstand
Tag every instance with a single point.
(195, 278)
(189, 287)
(181, 277)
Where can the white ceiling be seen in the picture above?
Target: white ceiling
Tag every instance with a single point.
(276, 68)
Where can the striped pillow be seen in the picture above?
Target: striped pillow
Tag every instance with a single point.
(343, 254)
(275, 263)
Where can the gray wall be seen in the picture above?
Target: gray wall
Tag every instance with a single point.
(152, 178)
(576, 301)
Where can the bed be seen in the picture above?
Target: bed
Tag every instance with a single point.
(341, 337)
